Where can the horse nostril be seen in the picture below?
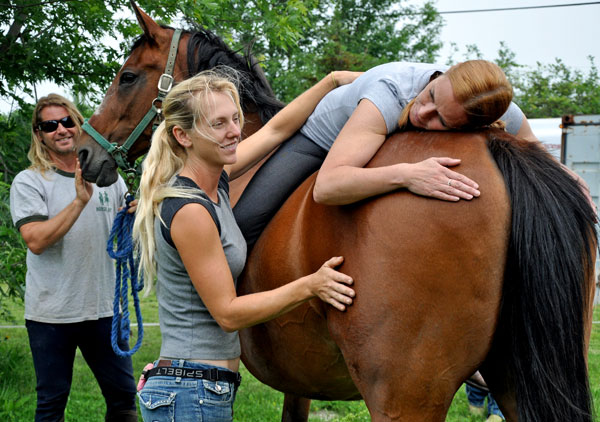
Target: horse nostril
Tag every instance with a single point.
(83, 155)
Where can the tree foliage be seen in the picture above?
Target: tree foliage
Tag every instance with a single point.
(354, 35)
(13, 158)
(58, 41)
(555, 89)
(12, 256)
(73, 43)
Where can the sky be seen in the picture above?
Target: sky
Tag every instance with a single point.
(535, 35)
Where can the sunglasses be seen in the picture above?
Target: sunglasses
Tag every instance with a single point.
(49, 126)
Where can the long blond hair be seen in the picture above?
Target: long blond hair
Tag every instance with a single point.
(186, 107)
(481, 88)
(38, 152)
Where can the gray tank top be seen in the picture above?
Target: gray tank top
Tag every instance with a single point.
(187, 328)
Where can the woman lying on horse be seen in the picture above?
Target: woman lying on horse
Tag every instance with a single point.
(351, 123)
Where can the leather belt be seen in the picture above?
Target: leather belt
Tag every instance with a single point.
(164, 368)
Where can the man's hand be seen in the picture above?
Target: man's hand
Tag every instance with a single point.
(83, 188)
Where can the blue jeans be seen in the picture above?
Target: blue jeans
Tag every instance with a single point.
(176, 399)
(53, 349)
(476, 397)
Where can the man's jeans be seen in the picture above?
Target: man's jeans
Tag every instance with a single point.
(53, 348)
(476, 397)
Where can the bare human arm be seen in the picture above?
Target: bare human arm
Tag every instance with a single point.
(210, 274)
(39, 235)
(344, 180)
(285, 123)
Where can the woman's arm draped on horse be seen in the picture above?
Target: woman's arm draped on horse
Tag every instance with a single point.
(285, 123)
(468, 95)
(359, 117)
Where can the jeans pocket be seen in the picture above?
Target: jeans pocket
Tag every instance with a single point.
(217, 401)
(157, 405)
(217, 391)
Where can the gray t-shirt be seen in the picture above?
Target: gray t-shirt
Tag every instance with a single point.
(73, 280)
(390, 87)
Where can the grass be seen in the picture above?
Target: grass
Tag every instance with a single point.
(255, 401)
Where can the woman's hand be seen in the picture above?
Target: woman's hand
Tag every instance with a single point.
(433, 178)
(330, 285)
(343, 77)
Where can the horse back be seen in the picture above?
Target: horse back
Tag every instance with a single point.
(422, 269)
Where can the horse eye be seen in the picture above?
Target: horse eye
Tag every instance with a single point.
(127, 78)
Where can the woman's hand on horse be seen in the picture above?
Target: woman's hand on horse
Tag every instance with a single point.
(433, 178)
(330, 285)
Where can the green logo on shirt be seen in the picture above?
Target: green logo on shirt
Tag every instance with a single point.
(104, 202)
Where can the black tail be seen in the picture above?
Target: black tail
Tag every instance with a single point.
(546, 290)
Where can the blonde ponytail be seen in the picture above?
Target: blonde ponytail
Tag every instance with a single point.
(161, 163)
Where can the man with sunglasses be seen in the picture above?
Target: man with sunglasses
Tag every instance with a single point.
(65, 222)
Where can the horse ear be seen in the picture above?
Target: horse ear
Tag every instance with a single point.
(148, 25)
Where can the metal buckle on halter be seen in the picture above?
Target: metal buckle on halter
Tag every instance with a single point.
(165, 83)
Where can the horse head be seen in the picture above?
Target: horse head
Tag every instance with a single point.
(120, 130)
(127, 100)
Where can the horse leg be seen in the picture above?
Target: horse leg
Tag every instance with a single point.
(404, 383)
(295, 408)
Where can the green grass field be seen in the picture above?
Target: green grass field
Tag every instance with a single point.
(255, 402)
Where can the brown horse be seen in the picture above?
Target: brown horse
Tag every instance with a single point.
(503, 282)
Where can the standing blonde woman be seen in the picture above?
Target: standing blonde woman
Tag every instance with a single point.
(189, 239)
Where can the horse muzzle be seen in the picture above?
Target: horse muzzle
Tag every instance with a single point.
(97, 166)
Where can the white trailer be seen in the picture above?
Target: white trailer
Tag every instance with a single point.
(580, 151)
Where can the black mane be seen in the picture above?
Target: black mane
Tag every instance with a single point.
(207, 51)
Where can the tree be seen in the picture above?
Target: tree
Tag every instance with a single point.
(553, 90)
(58, 41)
(355, 35)
(13, 158)
(73, 43)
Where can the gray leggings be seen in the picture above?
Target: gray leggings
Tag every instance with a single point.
(274, 182)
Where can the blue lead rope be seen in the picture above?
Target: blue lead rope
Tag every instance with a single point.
(126, 268)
